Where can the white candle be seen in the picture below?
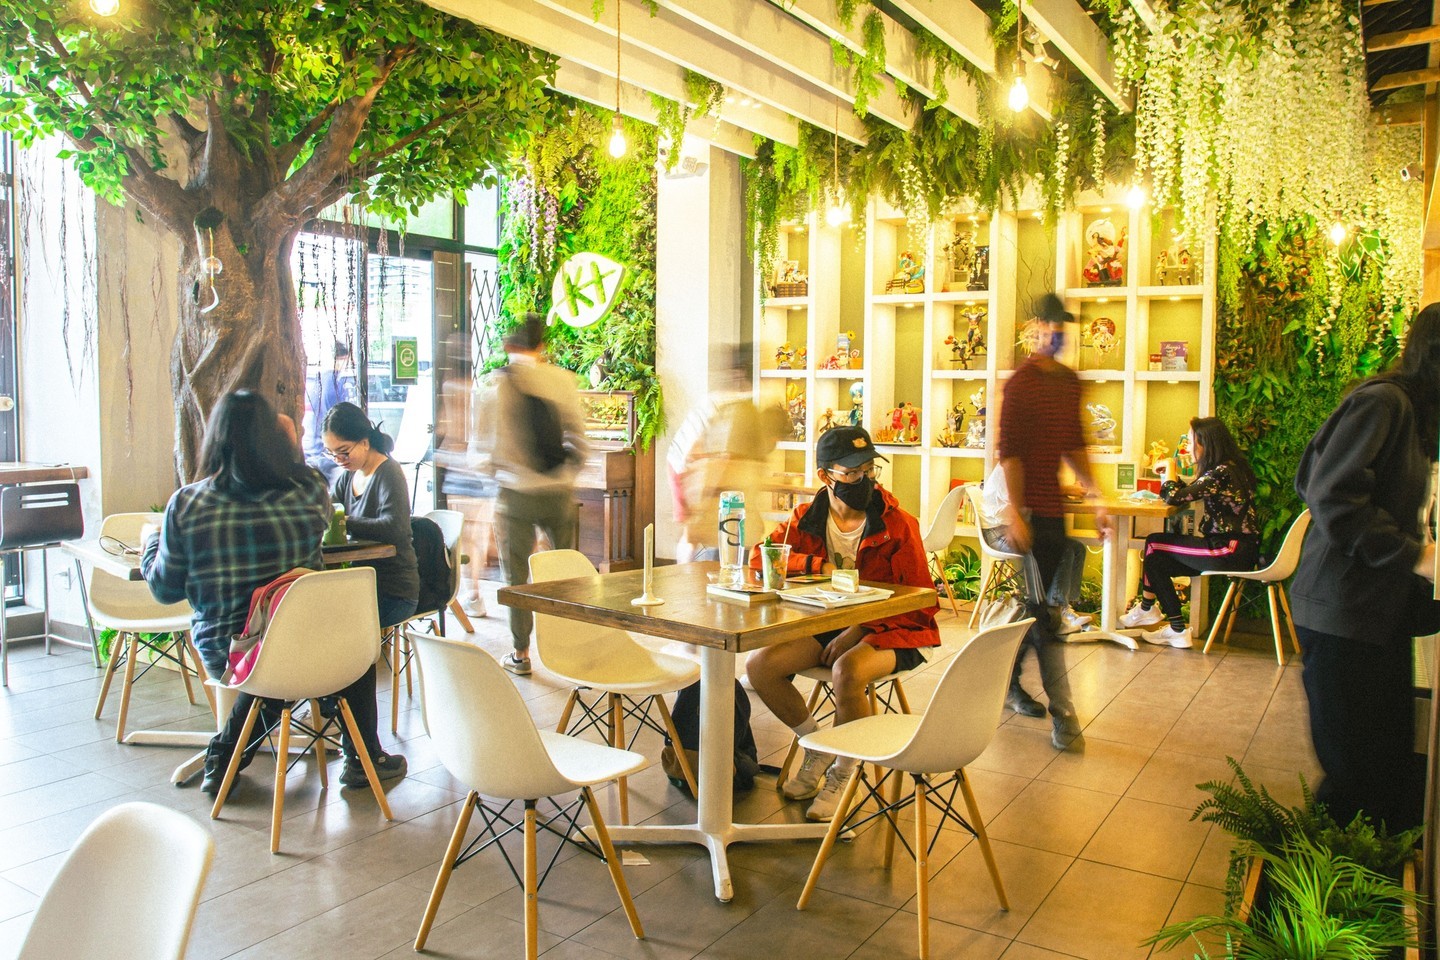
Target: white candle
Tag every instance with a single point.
(649, 555)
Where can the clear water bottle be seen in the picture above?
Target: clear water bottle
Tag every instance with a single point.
(732, 538)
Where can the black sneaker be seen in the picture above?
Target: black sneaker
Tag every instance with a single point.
(1065, 732)
(1024, 704)
(388, 766)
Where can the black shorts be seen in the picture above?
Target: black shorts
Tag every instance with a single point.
(906, 658)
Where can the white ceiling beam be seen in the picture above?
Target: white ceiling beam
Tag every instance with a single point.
(1146, 13)
(1066, 24)
(959, 24)
(594, 87)
(695, 48)
(584, 45)
(768, 32)
(902, 55)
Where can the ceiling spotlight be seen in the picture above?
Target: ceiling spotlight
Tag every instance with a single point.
(105, 8)
(1412, 172)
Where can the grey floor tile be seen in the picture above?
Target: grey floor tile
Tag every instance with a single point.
(1148, 837)
(778, 929)
(1052, 816)
(1100, 912)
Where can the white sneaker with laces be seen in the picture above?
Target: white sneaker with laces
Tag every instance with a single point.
(1140, 617)
(827, 803)
(1169, 636)
(806, 781)
(1072, 622)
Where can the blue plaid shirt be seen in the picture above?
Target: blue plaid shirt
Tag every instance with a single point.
(215, 548)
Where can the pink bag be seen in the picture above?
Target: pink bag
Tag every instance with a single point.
(245, 647)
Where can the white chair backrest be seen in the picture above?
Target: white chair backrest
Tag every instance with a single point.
(324, 635)
(573, 649)
(973, 491)
(942, 528)
(128, 888)
(451, 524)
(966, 707)
(130, 599)
(478, 722)
(1285, 562)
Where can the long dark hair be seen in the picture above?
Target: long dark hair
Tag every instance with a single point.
(1220, 447)
(1417, 372)
(348, 422)
(244, 449)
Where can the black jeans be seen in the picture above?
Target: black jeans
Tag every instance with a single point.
(1171, 555)
(1048, 546)
(1362, 722)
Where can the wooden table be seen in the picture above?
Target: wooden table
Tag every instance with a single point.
(720, 630)
(127, 567)
(23, 471)
(1117, 551)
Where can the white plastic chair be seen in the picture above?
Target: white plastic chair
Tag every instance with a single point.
(135, 853)
(954, 730)
(128, 608)
(324, 635)
(1282, 568)
(937, 540)
(397, 643)
(37, 516)
(887, 693)
(486, 738)
(999, 568)
(629, 677)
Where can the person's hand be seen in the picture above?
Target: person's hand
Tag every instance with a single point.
(1104, 525)
(838, 647)
(147, 531)
(1425, 566)
(1017, 531)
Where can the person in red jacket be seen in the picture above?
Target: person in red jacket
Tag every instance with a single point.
(853, 523)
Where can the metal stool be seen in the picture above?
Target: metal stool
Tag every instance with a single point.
(36, 516)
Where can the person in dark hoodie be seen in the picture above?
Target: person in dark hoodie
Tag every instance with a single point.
(1362, 581)
(854, 524)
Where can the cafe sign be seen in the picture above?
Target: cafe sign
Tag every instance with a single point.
(586, 287)
(405, 361)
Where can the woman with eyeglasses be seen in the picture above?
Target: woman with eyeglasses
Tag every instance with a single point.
(853, 524)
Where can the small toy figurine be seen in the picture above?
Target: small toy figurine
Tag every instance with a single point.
(959, 251)
(857, 399)
(783, 355)
(910, 278)
(1105, 266)
(1103, 421)
(827, 421)
(802, 359)
(832, 362)
(1101, 334)
(1158, 454)
(1174, 266)
(897, 420)
(957, 417)
(975, 435)
(958, 354)
(1031, 334)
(912, 424)
(795, 407)
(980, 269)
(975, 316)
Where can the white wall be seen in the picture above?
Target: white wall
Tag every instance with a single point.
(699, 300)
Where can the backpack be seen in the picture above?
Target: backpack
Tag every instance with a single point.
(686, 717)
(433, 561)
(245, 646)
(542, 433)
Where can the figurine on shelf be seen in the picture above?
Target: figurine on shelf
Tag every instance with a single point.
(959, 251)
(784, 354)
(957, 417)
(975, 435)
(958, 354)
(910, 278)
(1105, 263)
(1183, 458)
(795, 407)
(857, 400)
(912, 424)
(788, 280)
(1158, 454)
(832, 362)
(975, 316)
(843, 344)
(1031, 334)
(1101, 335)
(827, 421)
(1174, 266)
(948, 438)
(1103, 421)
(980, 268)
(802, 359)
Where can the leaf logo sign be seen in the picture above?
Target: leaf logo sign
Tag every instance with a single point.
(586, 288)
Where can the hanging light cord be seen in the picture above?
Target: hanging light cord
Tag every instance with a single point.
(618, 5)
(835, 154)
(1019, 39)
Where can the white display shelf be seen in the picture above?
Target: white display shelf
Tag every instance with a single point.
(1175, 292)
(783, 374)
(1169, 376)
(852, 374)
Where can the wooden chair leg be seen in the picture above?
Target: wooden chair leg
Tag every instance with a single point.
(1289, 620)
(132, 654)
(922, 869)
(409, 665)
(945, 582)
(234, 768)
(282, 763)
(900, 695)
(317, 720)
(978, 823)
(394, 641)
(569, 708)
(617, 740)
(784, 773)
(447, 867)
(987, 583)
(681, 757)
(115, 646)
(1275, 624)
(836, 822)
(1234, 611)
(365, 760)
(464, 620)
(201, 674)
(602, 836)
(1221, 616)
(177, 647)
(532, 902)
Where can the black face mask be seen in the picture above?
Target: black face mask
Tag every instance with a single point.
(855, 495)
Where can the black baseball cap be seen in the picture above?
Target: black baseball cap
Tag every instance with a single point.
(846, 447)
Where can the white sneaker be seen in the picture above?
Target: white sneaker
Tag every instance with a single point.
(1140, 617)
(1170, 636)
(806, 781)
(1072, 622)
(827, 802)
(474, 607)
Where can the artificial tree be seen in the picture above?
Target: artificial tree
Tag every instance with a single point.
(232, 123)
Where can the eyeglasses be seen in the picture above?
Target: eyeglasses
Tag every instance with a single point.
(343, 453)
(871, 470)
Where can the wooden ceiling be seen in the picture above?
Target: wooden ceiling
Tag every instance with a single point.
(774, 57)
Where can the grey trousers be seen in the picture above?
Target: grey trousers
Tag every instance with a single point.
(518, 515)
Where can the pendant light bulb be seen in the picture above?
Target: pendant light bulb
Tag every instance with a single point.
(1135, 197)
(1019, 96)
(617, 139)
(1337, 233)
(105, 8)
(838, 214)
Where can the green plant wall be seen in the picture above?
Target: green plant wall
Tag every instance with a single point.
(569, 195)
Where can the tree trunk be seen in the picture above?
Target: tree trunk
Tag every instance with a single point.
(251, 340)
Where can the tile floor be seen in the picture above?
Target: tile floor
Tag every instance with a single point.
(1096, 849)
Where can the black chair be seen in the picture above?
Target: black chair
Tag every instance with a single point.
(35, 516)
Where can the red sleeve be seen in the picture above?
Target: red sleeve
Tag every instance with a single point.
(801, 561)
(1012, 440)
